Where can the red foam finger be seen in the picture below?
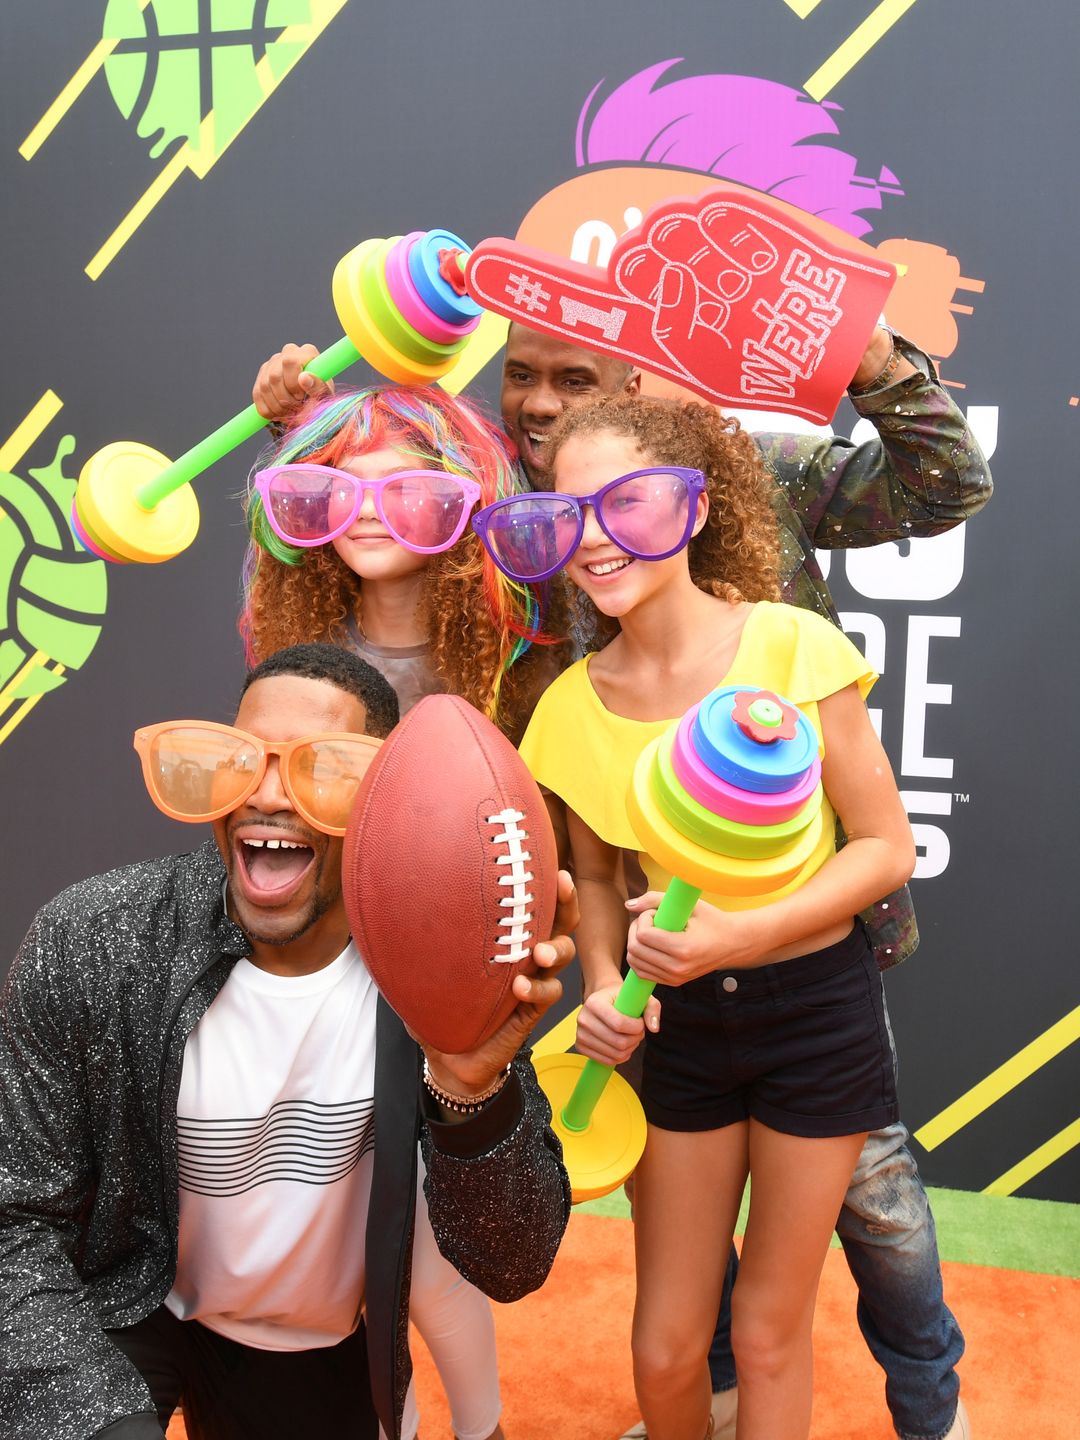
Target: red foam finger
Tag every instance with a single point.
(733, 295)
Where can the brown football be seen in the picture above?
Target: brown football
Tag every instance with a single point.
(449, 872)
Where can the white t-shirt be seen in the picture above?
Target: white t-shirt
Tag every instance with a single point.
(275, 1131)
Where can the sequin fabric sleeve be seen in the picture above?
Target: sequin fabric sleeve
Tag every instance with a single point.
(60, 1375)
(500, 1198)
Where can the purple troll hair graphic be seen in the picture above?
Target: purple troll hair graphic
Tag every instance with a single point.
(737, 127)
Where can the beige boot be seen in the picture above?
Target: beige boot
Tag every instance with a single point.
(961, 1426)
(725, 1404)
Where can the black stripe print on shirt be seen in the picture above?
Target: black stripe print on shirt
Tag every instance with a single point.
(298, 1140)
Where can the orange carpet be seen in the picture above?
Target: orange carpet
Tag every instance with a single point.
(565, 1363)
(564, 1352)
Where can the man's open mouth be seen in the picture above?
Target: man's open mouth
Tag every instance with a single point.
(534, 443)
(272, 866)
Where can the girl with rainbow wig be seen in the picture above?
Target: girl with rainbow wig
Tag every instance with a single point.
(430, 622)
(442, 622)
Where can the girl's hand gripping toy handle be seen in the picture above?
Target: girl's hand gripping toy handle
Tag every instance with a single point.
(673, 914)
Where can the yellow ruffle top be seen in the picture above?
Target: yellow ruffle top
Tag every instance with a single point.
(586, 754)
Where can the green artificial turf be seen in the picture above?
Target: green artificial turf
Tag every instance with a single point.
(975, 1229)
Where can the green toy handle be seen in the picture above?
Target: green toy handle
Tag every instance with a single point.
(673, 914)
(234, 432)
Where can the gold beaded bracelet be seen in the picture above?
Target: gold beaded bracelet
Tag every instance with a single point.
(463, 1104)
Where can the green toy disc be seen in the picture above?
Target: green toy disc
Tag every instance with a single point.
(724, 837)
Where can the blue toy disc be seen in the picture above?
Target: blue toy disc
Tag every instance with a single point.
(438, 294)
(730, 753)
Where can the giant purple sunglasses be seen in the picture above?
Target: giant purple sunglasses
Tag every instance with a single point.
(424, 510)
(649, 514)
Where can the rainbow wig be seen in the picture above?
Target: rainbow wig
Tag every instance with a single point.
(429, 425)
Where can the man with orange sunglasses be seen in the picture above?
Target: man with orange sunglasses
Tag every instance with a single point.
(209, 1120)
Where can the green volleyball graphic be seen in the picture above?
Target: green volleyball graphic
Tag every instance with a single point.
(176, 61)
(54, 592)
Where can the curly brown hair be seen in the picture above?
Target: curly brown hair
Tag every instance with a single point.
(735, 556)
(474, 618)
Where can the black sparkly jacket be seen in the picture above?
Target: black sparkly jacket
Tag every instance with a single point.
(108, 983)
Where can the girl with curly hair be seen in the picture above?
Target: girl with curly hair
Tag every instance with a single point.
(766, 1045)
(359, 535)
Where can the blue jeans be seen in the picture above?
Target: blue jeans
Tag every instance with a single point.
(890, 1245)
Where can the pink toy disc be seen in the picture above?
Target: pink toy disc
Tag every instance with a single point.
(729, 294)
(725, 799)
(407, 298)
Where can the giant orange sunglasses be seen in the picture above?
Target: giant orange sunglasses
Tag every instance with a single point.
(196, 770)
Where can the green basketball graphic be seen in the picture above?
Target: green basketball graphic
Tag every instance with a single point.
(54, 593)
(171, 65)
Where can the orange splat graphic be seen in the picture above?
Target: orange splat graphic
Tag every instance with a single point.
(922, 304)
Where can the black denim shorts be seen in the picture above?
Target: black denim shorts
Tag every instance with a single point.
(801, 1045)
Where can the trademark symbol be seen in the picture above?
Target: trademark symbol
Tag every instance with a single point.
(961, 798)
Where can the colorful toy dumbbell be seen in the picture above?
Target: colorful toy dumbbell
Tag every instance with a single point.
(403, 307)
(729, 800)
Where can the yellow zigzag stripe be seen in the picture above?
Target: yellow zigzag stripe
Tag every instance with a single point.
(28, 430)
(199, 161)
(67, 97)
(11, 452)
(138, 213)
(69, 94)
(858, 44)
(38, 658)
(1000, 1081)
(484, 344)
(1039, 1160)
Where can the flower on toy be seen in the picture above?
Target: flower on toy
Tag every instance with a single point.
(452, 268)
(764, 716)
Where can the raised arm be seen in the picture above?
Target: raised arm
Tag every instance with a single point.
(282, 384)
(923, 474)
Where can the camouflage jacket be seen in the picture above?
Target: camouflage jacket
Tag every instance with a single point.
(924, 474)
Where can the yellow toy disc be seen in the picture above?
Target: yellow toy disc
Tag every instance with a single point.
(692, 863)
(602, 1157)
(361, 329)
(106, 500)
